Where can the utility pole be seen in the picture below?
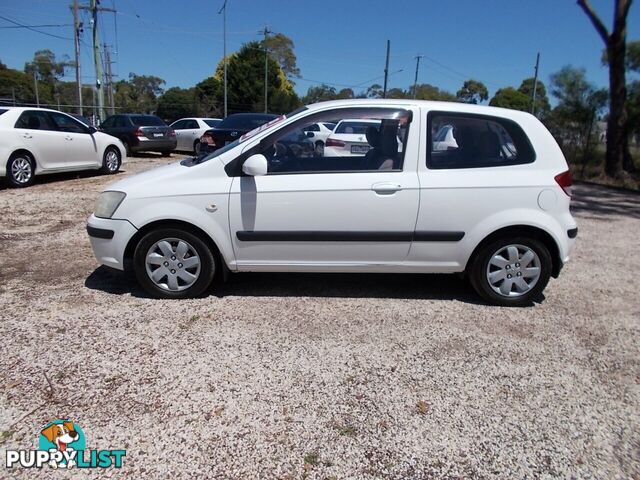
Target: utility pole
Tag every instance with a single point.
(224, 51)
(415, 81)
(535, 86)
(77, 28)
(386, 71)
(109, 82)
(13, 95)
(266, 33)
(35, 82)
(94, 8)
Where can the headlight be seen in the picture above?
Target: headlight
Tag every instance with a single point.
(107, 203)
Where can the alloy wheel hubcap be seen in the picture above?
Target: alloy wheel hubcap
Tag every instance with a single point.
(112, 160)
(172, 264)
(21, 170)
(513, 270)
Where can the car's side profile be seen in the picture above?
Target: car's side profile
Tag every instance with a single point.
(495, 208)
(189, 130)
(38, 141)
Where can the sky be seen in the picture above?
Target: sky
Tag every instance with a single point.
(340, 43)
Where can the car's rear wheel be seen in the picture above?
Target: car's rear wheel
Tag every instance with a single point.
(173, 263)
(511, 271)
(21, 170)
(165, 153)
(111, 161)
(319, 148)
(127, 148)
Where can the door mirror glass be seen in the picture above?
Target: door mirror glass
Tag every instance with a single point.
(255, 166)
(92, 130)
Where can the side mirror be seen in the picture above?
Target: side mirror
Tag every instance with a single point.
(92, 130)
(310, 134)
(255, 166)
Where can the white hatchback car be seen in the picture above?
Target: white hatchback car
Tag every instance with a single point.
(36, 141)
(501, 219)
(349, 138)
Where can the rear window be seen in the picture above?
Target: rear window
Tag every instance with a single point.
(245, 122)
(147, 121)
(359, 128)
(212, 123)
(460, 140)
(330, 126)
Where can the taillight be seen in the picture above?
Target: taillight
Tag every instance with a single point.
(207, 138)
(334, 143)
(171, 133)
(139, 133)
(565, 180)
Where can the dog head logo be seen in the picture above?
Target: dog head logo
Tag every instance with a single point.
(61, 434)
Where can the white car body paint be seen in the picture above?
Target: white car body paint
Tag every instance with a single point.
(475, 201)
(54, 151)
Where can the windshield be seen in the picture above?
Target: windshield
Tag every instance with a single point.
(245, 122)
(235, 143)
(358, 128)
(147, 121)
(212, 123)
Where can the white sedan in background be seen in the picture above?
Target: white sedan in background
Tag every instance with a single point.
(189, 130)
(36, 141)
(349, 138)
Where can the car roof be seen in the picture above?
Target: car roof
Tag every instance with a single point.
(430, 104)
(270, 115)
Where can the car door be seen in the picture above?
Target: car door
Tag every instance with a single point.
(191, 133)
(81, 146)
(39, 135)
(178, 127)
(322, 212)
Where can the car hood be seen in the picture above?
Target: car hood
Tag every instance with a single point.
(149, 178)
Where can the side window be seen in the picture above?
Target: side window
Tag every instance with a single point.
(35, 120)
(312, 128)
(119, 122)
(108, 123)
(179, 125)
(191, 125)
(475, 141)
(367, 139)
(67, 124)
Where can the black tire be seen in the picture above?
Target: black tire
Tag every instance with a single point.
(165, 153)
(207, 262)
(318, 150)
(479, 271)
(127, 148)
(21, 170)
(196, 148)
(108, 167)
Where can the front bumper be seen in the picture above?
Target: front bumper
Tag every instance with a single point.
(109, 239)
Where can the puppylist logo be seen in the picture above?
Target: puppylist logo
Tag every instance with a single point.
(62, 444)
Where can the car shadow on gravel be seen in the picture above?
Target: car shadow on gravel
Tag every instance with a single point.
(330, 285)
(602, 202)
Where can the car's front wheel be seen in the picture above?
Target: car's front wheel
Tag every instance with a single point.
(111, 161)
(511, 271)
(20, 170)
(173, 263)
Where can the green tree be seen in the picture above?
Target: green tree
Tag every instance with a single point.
(615, 41)
(473, 91)
(542, 106)
(18, 83)
(280, 49)
(208, 91)
(245, 82)
(177, 103)
(47, 68)
(426, 91)
(396, 93)
(139, 94)
(320, 93)
(374, 91)
(509, 97)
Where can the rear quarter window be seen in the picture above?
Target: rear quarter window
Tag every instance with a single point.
(2, 110)
(460, 140)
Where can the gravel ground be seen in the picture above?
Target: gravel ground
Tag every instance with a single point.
(319, 376)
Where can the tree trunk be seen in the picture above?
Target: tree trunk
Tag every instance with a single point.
(617, 123)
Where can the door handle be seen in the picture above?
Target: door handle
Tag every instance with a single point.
(386, 188)
(68, 137)
(27, 135)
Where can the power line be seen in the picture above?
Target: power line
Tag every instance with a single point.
(28, 27)
(38, 26)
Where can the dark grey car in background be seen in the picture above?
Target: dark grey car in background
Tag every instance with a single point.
(141, 133)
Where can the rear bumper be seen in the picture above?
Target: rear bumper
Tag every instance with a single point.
(109, 239)
(145, 144)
